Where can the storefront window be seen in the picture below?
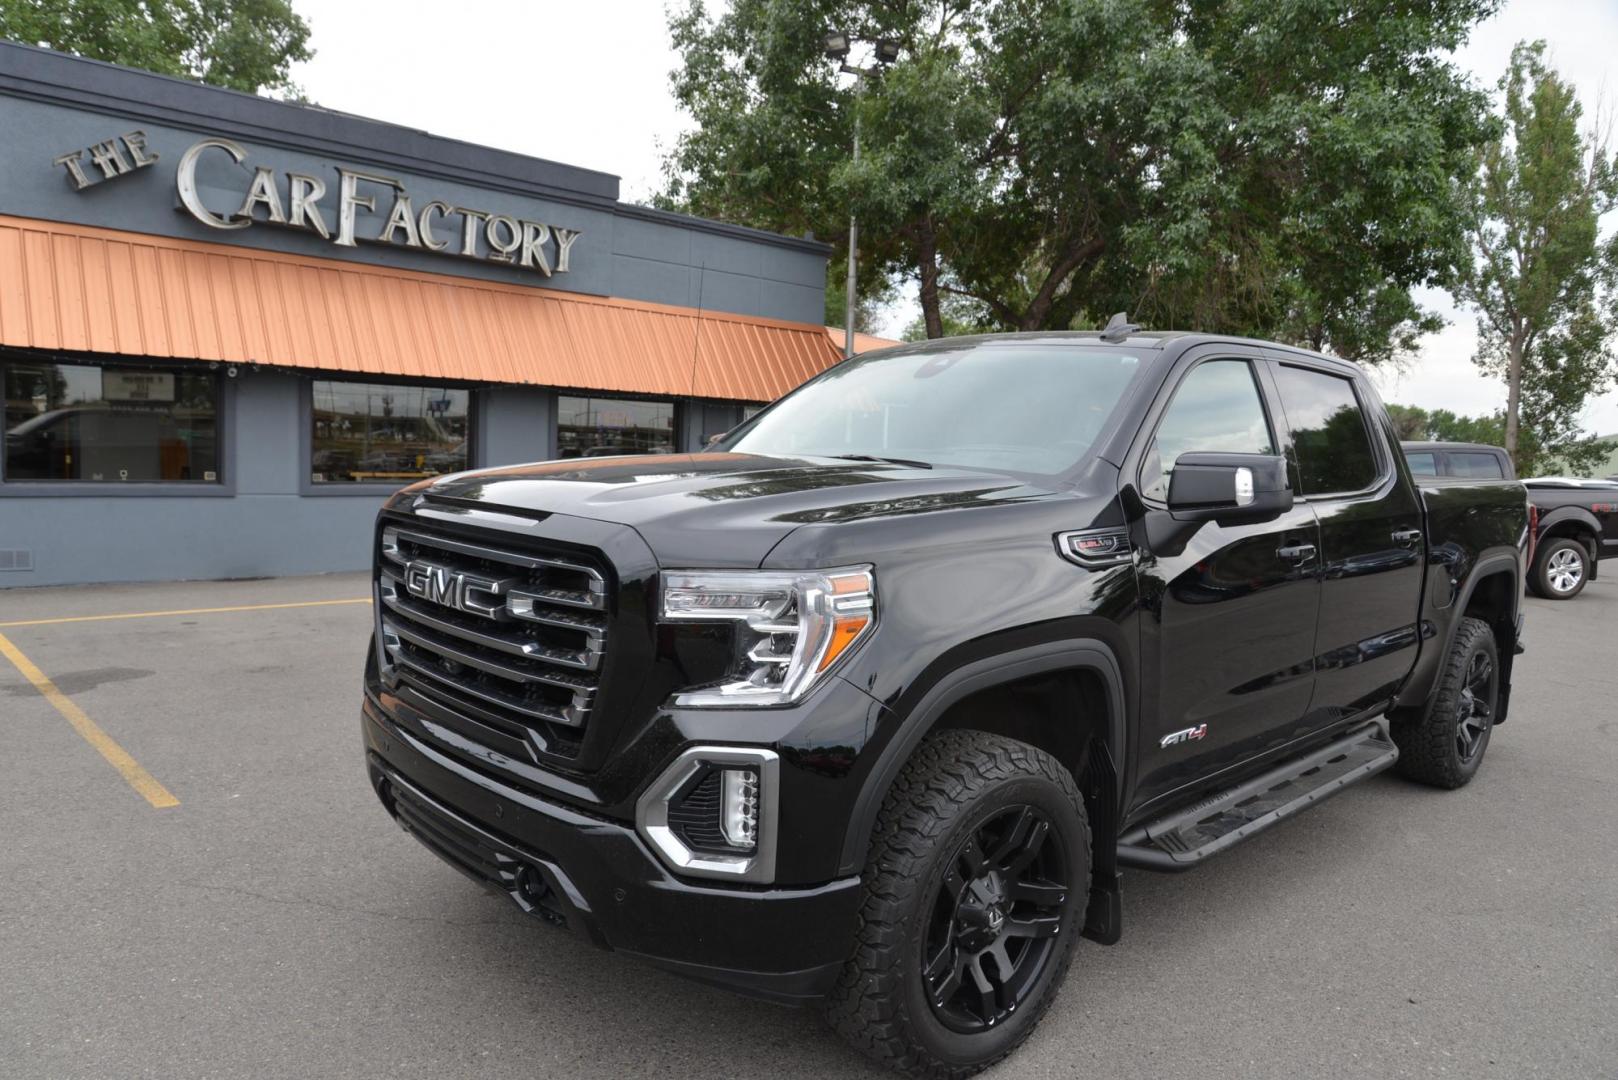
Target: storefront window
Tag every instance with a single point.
(598, 427)
(113, 424)
(373, 432)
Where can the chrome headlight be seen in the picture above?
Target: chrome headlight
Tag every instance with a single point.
(791, 627)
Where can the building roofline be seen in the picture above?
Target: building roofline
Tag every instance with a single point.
(47, 75)
(76, 82)
(722, 228)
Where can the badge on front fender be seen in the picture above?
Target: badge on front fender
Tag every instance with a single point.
(1175, 737)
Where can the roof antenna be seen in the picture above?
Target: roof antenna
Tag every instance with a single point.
(1118, 329)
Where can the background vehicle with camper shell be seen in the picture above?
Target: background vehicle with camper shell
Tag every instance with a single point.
(1576, 519)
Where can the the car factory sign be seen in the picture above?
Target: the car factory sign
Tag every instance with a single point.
(292, 199)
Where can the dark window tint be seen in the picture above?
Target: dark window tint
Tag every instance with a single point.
(1329, 435)
(599, 427)
(381, 433)
(1475, 466)
(110, 424)
(1423, 464)
(1216, 408)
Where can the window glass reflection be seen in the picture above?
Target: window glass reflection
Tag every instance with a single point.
(380, 433)
(110, 424)
(601, 427)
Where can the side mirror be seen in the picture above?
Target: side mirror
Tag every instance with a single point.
(1229, 487)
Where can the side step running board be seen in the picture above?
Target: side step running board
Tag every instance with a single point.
(1184, 839)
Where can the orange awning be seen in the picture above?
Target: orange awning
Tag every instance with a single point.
(71, 287)
(863, 342)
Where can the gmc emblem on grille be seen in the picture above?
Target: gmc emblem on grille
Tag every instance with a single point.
(470, 593)
(439, 584)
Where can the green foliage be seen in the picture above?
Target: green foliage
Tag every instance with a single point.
(1279, 169)
(869, 305)
(958, 315)
(1579, 457)
(1543, 282)
(247, 45)
(1410, 421)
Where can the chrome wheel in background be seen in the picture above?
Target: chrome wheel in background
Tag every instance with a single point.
(1564, 570)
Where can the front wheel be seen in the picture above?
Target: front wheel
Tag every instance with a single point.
(1561, 568)
(975, 890)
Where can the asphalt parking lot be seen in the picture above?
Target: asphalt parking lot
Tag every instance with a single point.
(268, 920)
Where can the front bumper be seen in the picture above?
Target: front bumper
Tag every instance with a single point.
(596, 877)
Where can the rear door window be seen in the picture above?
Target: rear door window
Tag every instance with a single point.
(1475, 466)
(1423, 464)
(1330, 439)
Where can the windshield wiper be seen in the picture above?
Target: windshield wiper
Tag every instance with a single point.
(890, 460)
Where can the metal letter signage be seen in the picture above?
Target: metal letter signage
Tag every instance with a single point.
(186, 183)
(482, 234)
(451, 588)
(439, 584)
(114, 157)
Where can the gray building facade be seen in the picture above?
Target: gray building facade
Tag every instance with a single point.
(230, 326)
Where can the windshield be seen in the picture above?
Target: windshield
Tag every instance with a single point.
(1006, 406)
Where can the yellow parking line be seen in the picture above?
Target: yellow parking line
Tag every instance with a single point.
(186, 611)
(139, 779)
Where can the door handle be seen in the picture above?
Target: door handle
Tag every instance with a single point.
(1407, 537)
(1295, 552)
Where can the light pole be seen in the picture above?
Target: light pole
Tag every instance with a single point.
(838, 45)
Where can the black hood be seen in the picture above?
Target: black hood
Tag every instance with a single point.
(728, 509)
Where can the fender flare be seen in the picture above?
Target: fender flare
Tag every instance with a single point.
(1087, 654)
(1553, 518)
(1486, 566)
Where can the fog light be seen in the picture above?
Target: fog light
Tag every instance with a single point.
(738, 808)
(714, 813)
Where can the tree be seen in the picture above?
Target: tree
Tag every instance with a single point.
(957, 315)
(1531, 459)
(869, 305)
(1544, 284)
(247, 45)
(1410, 421)
(1286, 170)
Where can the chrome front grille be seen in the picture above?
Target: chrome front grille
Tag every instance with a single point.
(513, 639)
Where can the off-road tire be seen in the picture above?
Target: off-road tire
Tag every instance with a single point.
(1539, 579)
(1428, 752)
(954, 781)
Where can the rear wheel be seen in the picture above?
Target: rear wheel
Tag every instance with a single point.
(1561, 568)
(974, 895)
(1444, 747)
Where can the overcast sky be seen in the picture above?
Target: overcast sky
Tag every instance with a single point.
(587, 84)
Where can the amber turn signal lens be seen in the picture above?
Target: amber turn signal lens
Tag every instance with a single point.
(843, 634)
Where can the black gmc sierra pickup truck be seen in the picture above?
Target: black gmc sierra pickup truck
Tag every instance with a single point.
(868, 706)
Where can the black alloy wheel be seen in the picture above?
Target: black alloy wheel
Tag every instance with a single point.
(1474, 707)
(1442, 743)
(975, 889)
(995, 918)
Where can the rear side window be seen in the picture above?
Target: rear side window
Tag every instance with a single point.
(1329, 434)
(1475, 466)
(1423, 464)
(1216, 408)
